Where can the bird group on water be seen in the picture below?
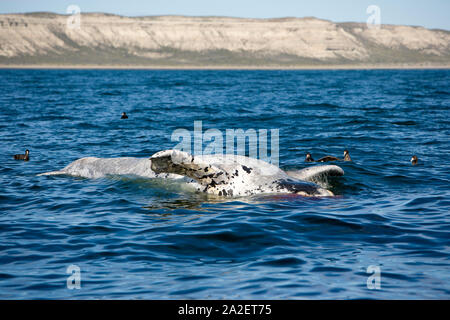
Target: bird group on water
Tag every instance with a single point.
(328, 158)
(414, 160)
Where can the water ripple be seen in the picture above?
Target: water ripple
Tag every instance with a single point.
(135, 238)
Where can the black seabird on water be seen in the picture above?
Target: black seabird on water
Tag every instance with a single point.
(347, 156)
(309, 158)
(24, 157)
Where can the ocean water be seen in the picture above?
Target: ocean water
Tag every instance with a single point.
(137, 238)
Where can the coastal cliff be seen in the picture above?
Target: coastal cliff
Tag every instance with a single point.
(177, 41)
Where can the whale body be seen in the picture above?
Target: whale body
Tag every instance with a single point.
(233, 175)
(222, 175)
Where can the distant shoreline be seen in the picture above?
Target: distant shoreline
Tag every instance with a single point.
(224, 67)
(102, 41)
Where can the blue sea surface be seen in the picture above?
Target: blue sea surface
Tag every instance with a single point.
(133, 238)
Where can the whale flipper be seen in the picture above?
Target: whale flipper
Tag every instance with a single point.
(317, 172)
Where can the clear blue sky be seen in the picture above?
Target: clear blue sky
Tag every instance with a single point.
(427, 13)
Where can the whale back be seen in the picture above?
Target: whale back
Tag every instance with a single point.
(232, 175)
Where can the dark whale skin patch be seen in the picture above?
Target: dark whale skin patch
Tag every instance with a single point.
(247, 169)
